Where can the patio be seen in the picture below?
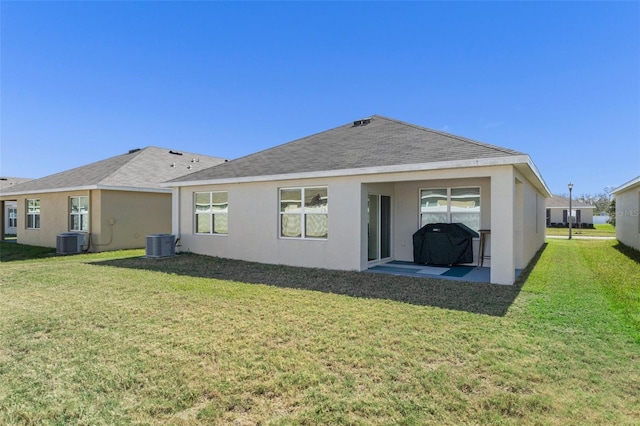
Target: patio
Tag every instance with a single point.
(456, 272)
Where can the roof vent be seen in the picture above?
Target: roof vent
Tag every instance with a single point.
(175, 153)
(362, 122)
(131, 151)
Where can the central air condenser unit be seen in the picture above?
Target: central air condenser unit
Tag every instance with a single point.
(160, 245)
(69, 243)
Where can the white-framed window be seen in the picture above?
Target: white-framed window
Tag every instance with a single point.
(33, 213)
(304, 212)
(450, 205)
(211, 210)
(13, 217)
(79, 213)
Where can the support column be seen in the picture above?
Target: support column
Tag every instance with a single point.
(502, 225)
(175, 211)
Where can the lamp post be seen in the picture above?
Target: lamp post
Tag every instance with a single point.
(570, 209)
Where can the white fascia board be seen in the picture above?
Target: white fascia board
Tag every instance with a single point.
(441, 165)
(88, 188)
(536, 172)
(627, 185)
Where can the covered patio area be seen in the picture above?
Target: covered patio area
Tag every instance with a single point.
(456, 272)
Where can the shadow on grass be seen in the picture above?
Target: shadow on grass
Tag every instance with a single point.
(11, 251)
(630, 252)
(480, 298)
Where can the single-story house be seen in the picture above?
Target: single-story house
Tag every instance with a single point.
(627, 198)
(558, 215)
(352, 197)
(10, 210)
(113, 203)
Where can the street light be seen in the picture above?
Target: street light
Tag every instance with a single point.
(570, 209)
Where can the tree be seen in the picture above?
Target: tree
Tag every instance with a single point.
(612, 212)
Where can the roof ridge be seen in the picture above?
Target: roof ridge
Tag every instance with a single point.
(450, 135)
(137, 152)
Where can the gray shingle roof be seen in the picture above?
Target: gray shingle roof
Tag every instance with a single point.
(558, 201)
(380, 142)
(7, 182)
(144, 168)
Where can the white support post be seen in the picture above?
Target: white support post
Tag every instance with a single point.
(502, 225)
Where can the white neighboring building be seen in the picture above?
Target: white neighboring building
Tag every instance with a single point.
(352, 197)
(558, 213)
(627, 198)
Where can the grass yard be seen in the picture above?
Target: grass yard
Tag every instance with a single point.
(114, 339)
(601, 230)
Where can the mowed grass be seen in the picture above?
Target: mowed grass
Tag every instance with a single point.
(600, 230)
(114, 339)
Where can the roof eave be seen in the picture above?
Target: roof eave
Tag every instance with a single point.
(626, 185)
(86, 188)
(522, 159)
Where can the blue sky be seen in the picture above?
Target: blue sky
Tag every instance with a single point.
(84, 81)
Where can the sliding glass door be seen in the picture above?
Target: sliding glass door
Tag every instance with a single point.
(379, 226)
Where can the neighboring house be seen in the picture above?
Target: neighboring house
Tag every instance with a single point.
(627, 198)
(10, 210)
(558, 213)
(351, 197)
(115, 202)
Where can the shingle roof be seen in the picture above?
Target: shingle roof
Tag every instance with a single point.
(380, 142)
(140, 169)
(7, 182)
(558, 201)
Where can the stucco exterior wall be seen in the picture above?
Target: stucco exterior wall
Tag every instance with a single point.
(54, 217)
(253, 225)
(508, 200)
(407, 211)
(628, 216)
(531, 226)
(123, 219)
(134, 214)
(557, 216)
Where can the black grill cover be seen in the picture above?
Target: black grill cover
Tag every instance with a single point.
(443, 244)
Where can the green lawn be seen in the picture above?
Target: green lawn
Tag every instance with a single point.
(114, 339)
(600, 230)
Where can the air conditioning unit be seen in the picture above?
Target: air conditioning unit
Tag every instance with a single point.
(69, 243)
(160, 245)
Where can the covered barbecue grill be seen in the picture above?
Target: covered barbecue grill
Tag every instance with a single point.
(443, 244)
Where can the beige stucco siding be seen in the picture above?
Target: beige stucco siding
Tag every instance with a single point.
(54, 217)
(508, 200)
(628, 216)
(123, 219)
(557, 216)
(406, 202)
(117, 219)
(253, 226)
(530, 229)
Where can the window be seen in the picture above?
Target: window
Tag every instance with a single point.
(33, 213)
(450, 205)
(79, 213)
(304, 212)
(13, 217)
(211, 211)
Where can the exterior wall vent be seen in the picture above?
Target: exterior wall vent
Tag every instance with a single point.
(69, 243)
(160, 245)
